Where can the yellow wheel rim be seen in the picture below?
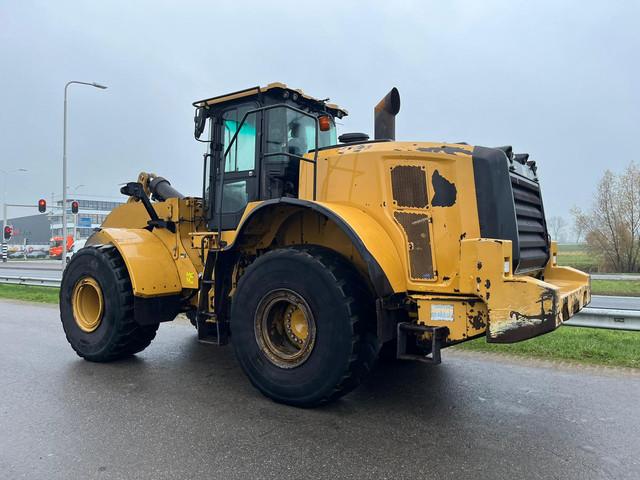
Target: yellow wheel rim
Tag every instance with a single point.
(88, 304)
(298, 326)
(285, 328)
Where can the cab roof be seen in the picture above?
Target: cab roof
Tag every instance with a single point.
(334, 109)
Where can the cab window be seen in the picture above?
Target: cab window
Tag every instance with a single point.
(242, 154)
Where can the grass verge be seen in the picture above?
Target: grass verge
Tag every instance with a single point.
(615, 287)
(582, 345)
(578, 256)
(29, 293)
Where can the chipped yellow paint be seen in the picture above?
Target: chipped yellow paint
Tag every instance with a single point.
(522, 306)
(354, 183)
(358, 176)
(469, 315)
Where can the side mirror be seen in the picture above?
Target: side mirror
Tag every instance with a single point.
(200, 120)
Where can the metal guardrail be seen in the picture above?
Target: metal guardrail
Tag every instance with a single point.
(33, 281)
(609, 318)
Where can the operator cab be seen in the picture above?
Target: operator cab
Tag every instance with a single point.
(257, 139)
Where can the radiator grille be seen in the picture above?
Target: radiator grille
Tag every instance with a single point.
(409, 186)
(416, 228)
(532, 230)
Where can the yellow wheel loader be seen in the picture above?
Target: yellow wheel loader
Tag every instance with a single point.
(316, 254)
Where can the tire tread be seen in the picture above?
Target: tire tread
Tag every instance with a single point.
(130, 338)
(357, 300)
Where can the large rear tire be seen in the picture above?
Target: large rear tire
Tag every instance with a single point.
(96, 307)
(302, 326)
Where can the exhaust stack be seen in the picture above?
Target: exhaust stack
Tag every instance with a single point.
(384, 116)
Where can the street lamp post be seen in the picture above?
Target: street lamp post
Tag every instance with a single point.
(64, 167)
(5, 174)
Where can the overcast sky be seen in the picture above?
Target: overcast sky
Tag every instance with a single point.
(558, 80)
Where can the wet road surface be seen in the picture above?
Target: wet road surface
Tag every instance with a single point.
(185, 410)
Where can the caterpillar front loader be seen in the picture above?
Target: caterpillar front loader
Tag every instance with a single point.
(315, 254)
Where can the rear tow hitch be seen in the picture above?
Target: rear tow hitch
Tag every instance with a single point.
(411, 351)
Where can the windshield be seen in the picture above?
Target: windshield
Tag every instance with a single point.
(301, 133)
(293, 132)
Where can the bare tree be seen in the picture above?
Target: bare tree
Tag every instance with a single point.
(578, 227)
(557, 226)
(612, 226)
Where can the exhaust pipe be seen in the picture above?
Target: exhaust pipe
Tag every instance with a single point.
(384, 116)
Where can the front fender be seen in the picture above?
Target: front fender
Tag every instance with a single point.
(151, 267)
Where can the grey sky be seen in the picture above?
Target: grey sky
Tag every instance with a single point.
(556, 79)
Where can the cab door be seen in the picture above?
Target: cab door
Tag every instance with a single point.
(238, 184)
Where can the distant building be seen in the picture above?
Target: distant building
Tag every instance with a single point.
(40, 228)
(30, 230)
(91, 213)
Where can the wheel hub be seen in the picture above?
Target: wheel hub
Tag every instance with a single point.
(296, 325)
(88, 304)
(285, 328)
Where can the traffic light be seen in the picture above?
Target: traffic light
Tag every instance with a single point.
(7, 232)
(42, 205)
(74, 207)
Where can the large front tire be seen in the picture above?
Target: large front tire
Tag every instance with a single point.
(301, 325)
(96, 307)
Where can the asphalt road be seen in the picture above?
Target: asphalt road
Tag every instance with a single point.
(31, 264)
(32, 273)
(31, 268)
(185, 410)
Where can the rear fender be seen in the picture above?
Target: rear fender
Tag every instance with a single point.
(384, 267)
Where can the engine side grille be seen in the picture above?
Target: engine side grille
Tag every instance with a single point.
(409, 186)
(416, 228)
(531, 225)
